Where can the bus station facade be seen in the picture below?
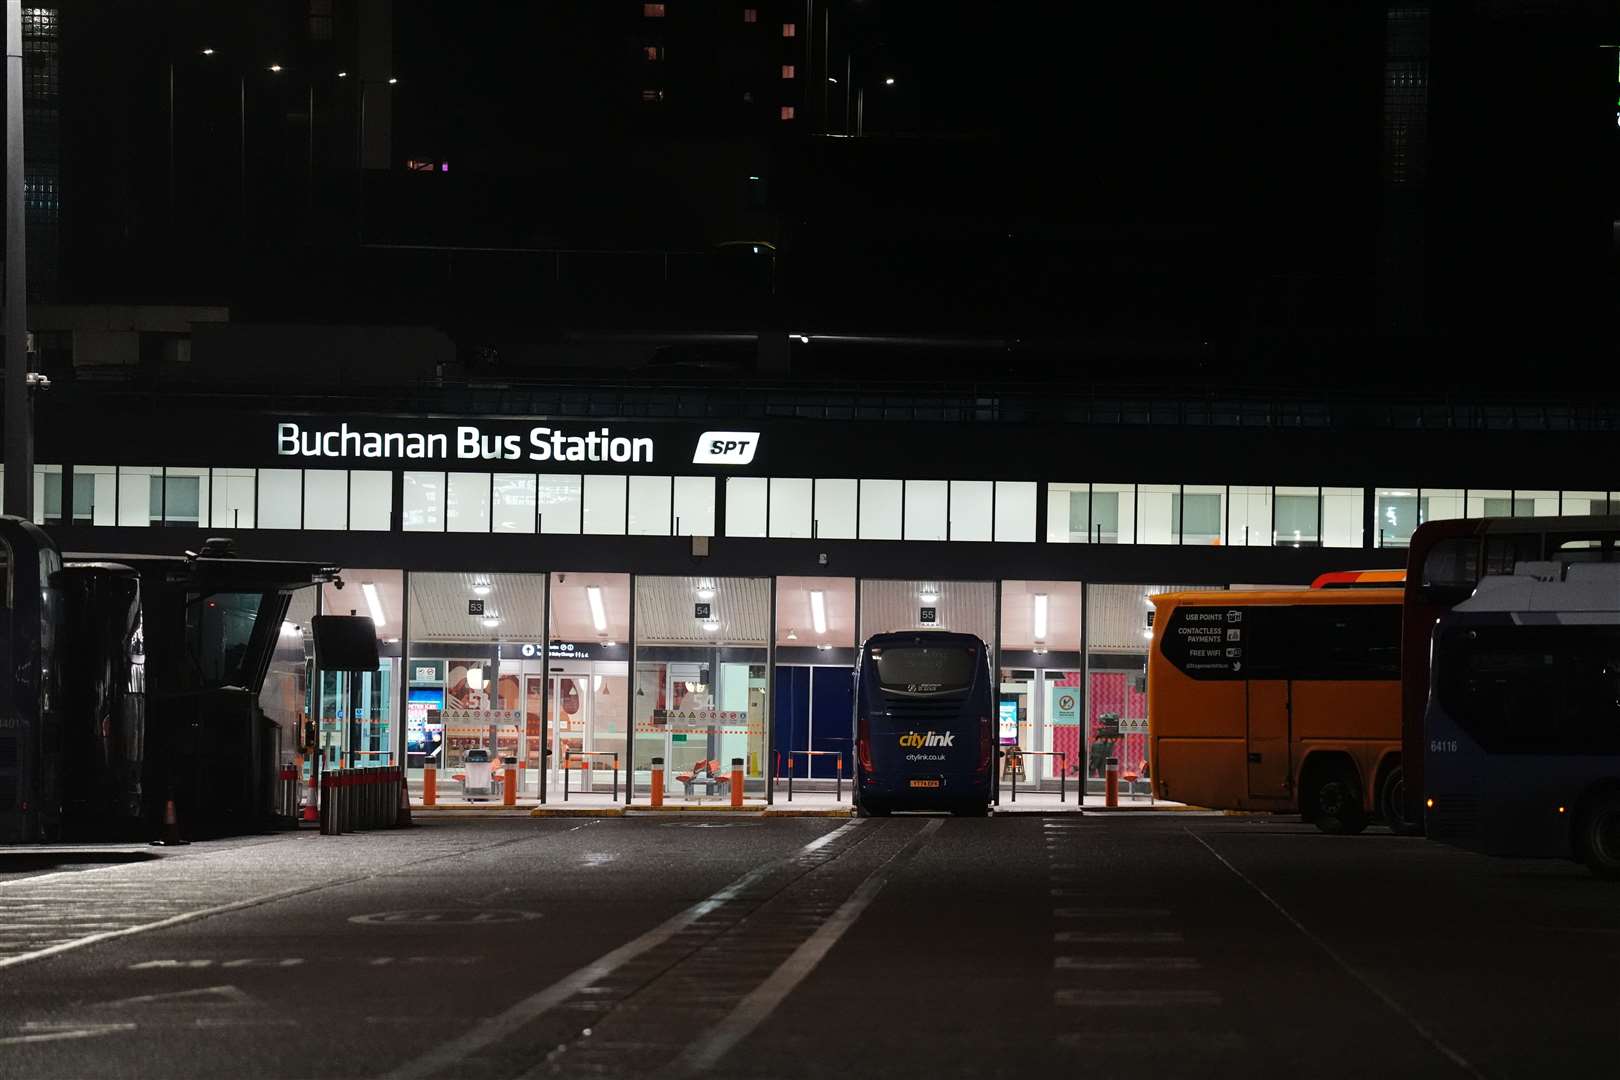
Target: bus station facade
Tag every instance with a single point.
(692, 581)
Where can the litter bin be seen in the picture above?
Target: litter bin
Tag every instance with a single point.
(477, 767)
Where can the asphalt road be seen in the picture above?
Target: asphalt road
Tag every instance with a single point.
(1143, 945)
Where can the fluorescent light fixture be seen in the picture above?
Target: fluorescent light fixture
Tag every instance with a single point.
(343, 74)
(481, 589)
(593, 593)
(824, 647)
(711, 626)
(705, 592)
(1148, 633)
(208, 52)
(275, 68)
(889, 81)
(393, 81)
(611, 644)
(374, 602)
(1040, 616)
(818, 610)
(929, 596)
(804, 339)
(491, 622)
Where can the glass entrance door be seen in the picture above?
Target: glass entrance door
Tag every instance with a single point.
(357, 713)
(569, 728)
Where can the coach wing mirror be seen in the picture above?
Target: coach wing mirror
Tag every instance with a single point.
(345, 642)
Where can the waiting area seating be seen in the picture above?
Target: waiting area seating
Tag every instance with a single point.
(705, 775)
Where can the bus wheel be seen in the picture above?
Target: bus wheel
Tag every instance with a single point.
(1600, 837)
(1392, 804)
(1337, 801)
(867, 808)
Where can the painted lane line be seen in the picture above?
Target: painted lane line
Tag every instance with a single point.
(1118, 937)
(78, 1031)
(1394, 1006)
(1125, 963)
(1135, 999)
(702, 1056)
(1111, 913)
(454, 1052)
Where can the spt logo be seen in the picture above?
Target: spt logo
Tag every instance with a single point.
(915, 740)
(725, 448)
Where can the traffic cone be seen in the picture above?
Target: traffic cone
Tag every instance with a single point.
(403, 820)
(171, 828)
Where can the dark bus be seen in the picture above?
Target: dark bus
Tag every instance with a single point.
(924, 724)
(1445, 561)
(132, 680)
(1522, 736)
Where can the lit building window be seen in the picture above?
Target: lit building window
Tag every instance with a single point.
(750, 14)
(652, 11)
(787, 112)
(650, 51)
(790, 30)
(419, 165)
(787, 71)
(652, 95)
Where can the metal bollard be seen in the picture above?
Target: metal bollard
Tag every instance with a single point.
(430, 786)
(838, 784)
(737, 781)
(657, 798)
(509, 796)
(1111, 782)
(790, 778)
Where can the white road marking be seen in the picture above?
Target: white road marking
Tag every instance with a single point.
(701, 1056)
(1111, 913)
(77, 1031)
(1125, 963)
(1136, 999)
(454, 1052)
(207, 995)
(1394, 1006)
(1118, 937)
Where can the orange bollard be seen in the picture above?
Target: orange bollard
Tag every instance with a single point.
(657, 798)
(509, 796)
(736, 781)
(1111, 782)
(430, 786)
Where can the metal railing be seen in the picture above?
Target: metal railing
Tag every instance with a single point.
(357, 799)
(836, 755)
(1016, 764)
(586, 757)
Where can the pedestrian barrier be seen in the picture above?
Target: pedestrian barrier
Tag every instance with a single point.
(838, 783)
(584, 757)
(1063, 769)
(357, 799)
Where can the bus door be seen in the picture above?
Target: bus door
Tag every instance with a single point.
(1270, 714)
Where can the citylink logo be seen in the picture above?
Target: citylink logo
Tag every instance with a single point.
(725, 448)
(913, 740)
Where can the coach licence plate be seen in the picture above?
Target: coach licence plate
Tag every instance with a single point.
(925, 783)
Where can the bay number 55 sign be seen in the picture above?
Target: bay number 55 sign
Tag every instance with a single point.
(725, 448)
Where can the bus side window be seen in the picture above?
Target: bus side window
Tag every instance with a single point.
(1502, 553)
(1349, 641)
(1452, 564)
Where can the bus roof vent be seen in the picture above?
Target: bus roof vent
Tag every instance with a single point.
(1590, 587)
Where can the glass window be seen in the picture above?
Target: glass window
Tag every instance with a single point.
(790, 506)
(512, 507)
(558, 499)
(326, 499)
(1015, 511)
(219, 627)
(95, 494)
(281, 496)
(1397, 516)
(467, 502)
(1157, 513)
(185, 497)
(1114, 513)
(972, 510)
(1441, 504)
(1199, 514)
(745, 505)
(1575, 503)
(881, 509)
(1251, 525)
(1482, 503)
(926, 509)
(423, 499)
(837, 503)
(140, 494)
(1068, 513)
(371, 500)
(648, 509)
(1535, 504)
(235, 494)
(694, 506)
(48, 494)
(1296, 515)
(603, 505)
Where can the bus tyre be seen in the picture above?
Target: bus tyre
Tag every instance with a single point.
(1336, 802)
(1392, 804)
(1600, 837)
(868, 808)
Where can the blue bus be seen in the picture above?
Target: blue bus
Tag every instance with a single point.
(1522, 730)
(924, 724)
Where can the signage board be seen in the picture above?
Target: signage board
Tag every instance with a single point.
(928, 616)
(701, 611)
(1066, 706)
(475, 607)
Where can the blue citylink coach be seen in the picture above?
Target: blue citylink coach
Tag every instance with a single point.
(924, 728)
(1522, 731)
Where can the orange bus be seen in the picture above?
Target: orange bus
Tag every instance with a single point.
(1278, 700)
